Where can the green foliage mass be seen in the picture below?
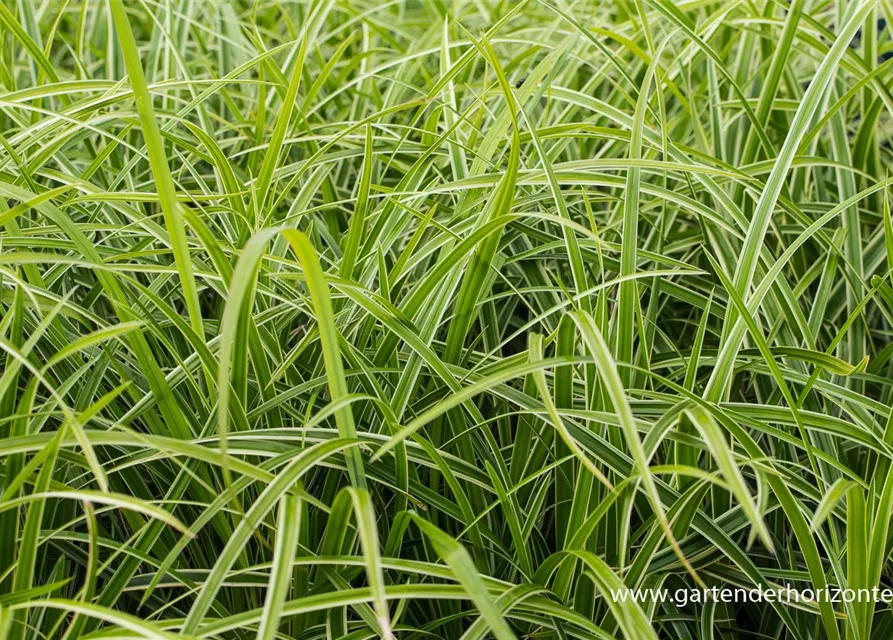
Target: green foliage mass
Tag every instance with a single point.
(444, 319)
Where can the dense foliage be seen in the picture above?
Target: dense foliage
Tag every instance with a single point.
(439, 319)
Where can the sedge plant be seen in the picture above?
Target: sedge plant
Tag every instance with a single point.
(331, 319)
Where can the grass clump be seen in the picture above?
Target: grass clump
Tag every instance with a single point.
(443, 319)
